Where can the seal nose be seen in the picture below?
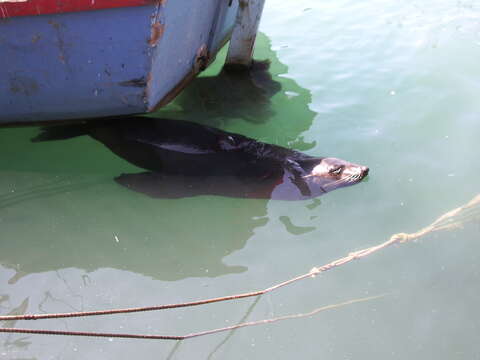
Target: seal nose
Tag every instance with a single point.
(365, 170)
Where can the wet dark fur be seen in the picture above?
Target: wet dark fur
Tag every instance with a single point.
(192, 159)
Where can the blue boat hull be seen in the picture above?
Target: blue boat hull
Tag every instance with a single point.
(106, 62)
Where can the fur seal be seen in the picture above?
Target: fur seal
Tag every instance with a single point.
(192, 159)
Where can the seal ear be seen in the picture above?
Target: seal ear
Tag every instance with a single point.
(300, 183)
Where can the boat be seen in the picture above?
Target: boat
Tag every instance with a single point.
(62, 60)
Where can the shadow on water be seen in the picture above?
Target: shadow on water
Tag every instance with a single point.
(264, 105)
(232, 94)
(66, 210)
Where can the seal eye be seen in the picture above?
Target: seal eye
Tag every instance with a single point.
(336, 171)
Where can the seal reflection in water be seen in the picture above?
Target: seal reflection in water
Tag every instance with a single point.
(187, 159)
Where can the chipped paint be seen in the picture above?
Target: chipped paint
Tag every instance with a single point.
(243, 4)
(60, 41)
(54, 24)
(157, 32)
(201, 59)
(140, 82)
(23, 85)
(147, 88)
(35, 38)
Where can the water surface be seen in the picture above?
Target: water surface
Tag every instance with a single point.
(392, 85)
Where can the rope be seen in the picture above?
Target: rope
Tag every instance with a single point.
(128, 310)
(445, 222)
(451, 220)
(89, 334)
(188, 336)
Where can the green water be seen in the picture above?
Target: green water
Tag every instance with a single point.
(389, 84)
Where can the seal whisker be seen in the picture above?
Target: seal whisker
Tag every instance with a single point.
(350, 179)
(353, 178)
(337, 182)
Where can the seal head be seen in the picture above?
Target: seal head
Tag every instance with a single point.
(339, 170)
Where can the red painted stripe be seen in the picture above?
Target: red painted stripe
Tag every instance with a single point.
(11, 8)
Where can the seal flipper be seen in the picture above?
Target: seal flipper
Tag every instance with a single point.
(300, 183)
(297, 178)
